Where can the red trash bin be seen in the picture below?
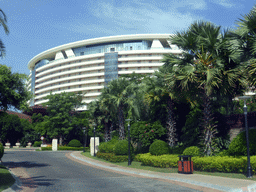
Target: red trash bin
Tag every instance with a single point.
(185, 165)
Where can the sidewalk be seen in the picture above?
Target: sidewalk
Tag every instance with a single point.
(195, 181)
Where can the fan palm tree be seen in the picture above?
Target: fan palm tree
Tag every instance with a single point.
(3, 22)
(204, 74)
(122, 94)
(244, 40)
(156, 91)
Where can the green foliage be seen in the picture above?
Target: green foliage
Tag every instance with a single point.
(37, 144)
(193, 151)
(11, 128)
(191, 131)
(113, 158)
(238, 147)
(59, 107)
(159, 147)
(66, 148)
(162, 161)
(145, 133)
(74, 143)
(108, 147)
(1, 150)
(223, 153)
(121, 148)
(13, 90)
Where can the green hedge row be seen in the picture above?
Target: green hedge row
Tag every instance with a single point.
(112, 157)
(66, 148)
(227, 164)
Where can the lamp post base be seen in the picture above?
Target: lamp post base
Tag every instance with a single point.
(249, 172)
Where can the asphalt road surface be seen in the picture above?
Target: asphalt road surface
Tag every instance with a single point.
(53, 171)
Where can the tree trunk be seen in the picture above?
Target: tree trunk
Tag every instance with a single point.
(171, 124)
(209, 127)
(121, 122)
(110, 131)
(106, 136)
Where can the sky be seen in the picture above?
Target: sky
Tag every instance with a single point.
(38, 25)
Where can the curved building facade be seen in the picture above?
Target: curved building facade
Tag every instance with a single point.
(89, 65)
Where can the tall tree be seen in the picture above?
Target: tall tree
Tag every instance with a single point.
(121, 93)
(59, 108)
(156, 91)
(204, 74)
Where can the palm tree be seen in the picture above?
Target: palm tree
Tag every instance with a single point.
(3, 21)
(156, 90)
(244, 40)
(204, 74)
(121, 93)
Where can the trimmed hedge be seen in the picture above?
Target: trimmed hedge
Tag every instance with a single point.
(1, 150)
(107, 147)
(37, 144)
(238, 147)
(74, 143)
(121, 148)
(211, 164)
(159, 147)
(114, 158)
(66, 148)
(193, 151)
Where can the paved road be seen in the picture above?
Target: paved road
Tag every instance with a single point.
(53, 171)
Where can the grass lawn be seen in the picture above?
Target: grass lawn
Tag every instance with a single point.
(138, 165)
(6, 179)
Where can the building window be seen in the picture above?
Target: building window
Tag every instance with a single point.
(150, 61)
(131, 48)
(112, 49)
(82, 53)
(79, 86)
(138, 61)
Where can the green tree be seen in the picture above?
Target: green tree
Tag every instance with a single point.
(121, 93)
(10, 128)
(156, 91)
(13, 92)
(204, 74)
(59, 107)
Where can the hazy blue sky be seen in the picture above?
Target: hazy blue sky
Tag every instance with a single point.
(38, 25)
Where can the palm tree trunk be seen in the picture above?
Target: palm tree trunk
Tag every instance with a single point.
(209, 127)
(110, 131)
(171, 124)
(121, 122)
(106, 136)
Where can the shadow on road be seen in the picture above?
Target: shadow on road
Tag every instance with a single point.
(23, 164)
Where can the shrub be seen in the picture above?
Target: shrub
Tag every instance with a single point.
(37, 144)
(145, 133)
(107, 147)
(238, 147)
(159, 147)
(74, 143)
(121, 148)
(223, 153)
(1, 150)
(193, 151)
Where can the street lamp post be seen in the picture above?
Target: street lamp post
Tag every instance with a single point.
(84, 129)
(94, 138)
(249, 168)
(129, 142)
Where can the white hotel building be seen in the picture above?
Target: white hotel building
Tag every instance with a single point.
(88, 65)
